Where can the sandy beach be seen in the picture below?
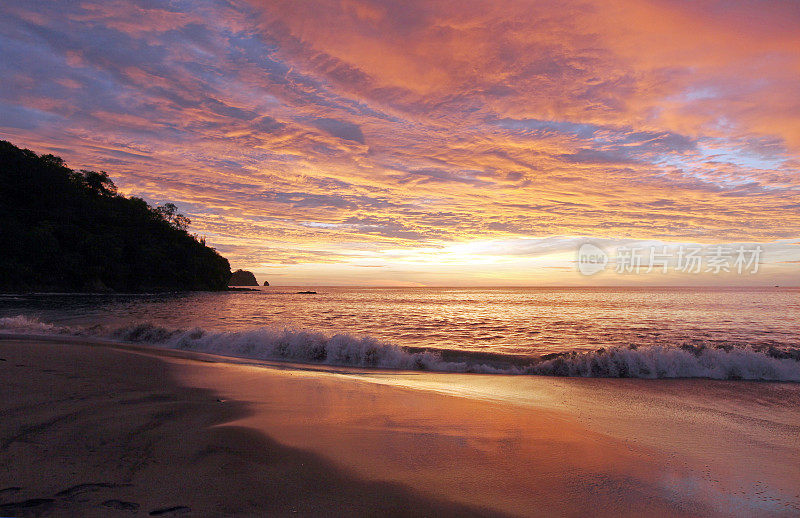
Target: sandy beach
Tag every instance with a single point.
(99, 430)
(345, 258)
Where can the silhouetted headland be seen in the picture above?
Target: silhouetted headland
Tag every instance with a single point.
(242, 278)
(65, 230)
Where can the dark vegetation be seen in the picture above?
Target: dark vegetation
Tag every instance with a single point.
(65, 230)
(243, 278)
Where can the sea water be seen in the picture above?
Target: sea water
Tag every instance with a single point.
(722, 333)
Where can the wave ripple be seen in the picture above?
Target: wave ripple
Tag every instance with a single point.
(305, 346)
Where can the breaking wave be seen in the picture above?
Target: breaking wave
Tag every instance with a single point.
(676, 362)
(23, 324)
(304, 346)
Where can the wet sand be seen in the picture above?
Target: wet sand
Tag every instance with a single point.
(94, 431)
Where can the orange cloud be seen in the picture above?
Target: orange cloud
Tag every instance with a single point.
(328, 132)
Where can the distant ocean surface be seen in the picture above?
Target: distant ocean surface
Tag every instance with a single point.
(742, 333)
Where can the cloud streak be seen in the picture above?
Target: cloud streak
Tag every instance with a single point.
(352, 127)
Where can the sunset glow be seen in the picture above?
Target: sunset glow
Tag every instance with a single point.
(427, 143)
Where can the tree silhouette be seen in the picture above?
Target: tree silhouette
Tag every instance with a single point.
(169, 212)
(97, 182)
(65, 230)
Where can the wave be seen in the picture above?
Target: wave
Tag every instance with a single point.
(676, 362)
(23, 324)
(305, 346)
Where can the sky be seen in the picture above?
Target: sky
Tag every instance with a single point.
(427, 142)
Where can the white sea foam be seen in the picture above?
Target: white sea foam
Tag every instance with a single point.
(287, 344)
(27, 325)
(674, 362)
(304, 346)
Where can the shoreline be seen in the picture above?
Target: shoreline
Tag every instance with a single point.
(129, 440)
(362, 441)
(268, 346)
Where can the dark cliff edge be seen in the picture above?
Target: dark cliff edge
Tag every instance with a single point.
(242, 278)
(70, 231)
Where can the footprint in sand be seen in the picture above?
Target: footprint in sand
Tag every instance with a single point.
(121, 505)
(180, 509)
(34, 505)
(80, 489)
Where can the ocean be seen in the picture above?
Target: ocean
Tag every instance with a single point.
(531, 416)
(721, 333)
